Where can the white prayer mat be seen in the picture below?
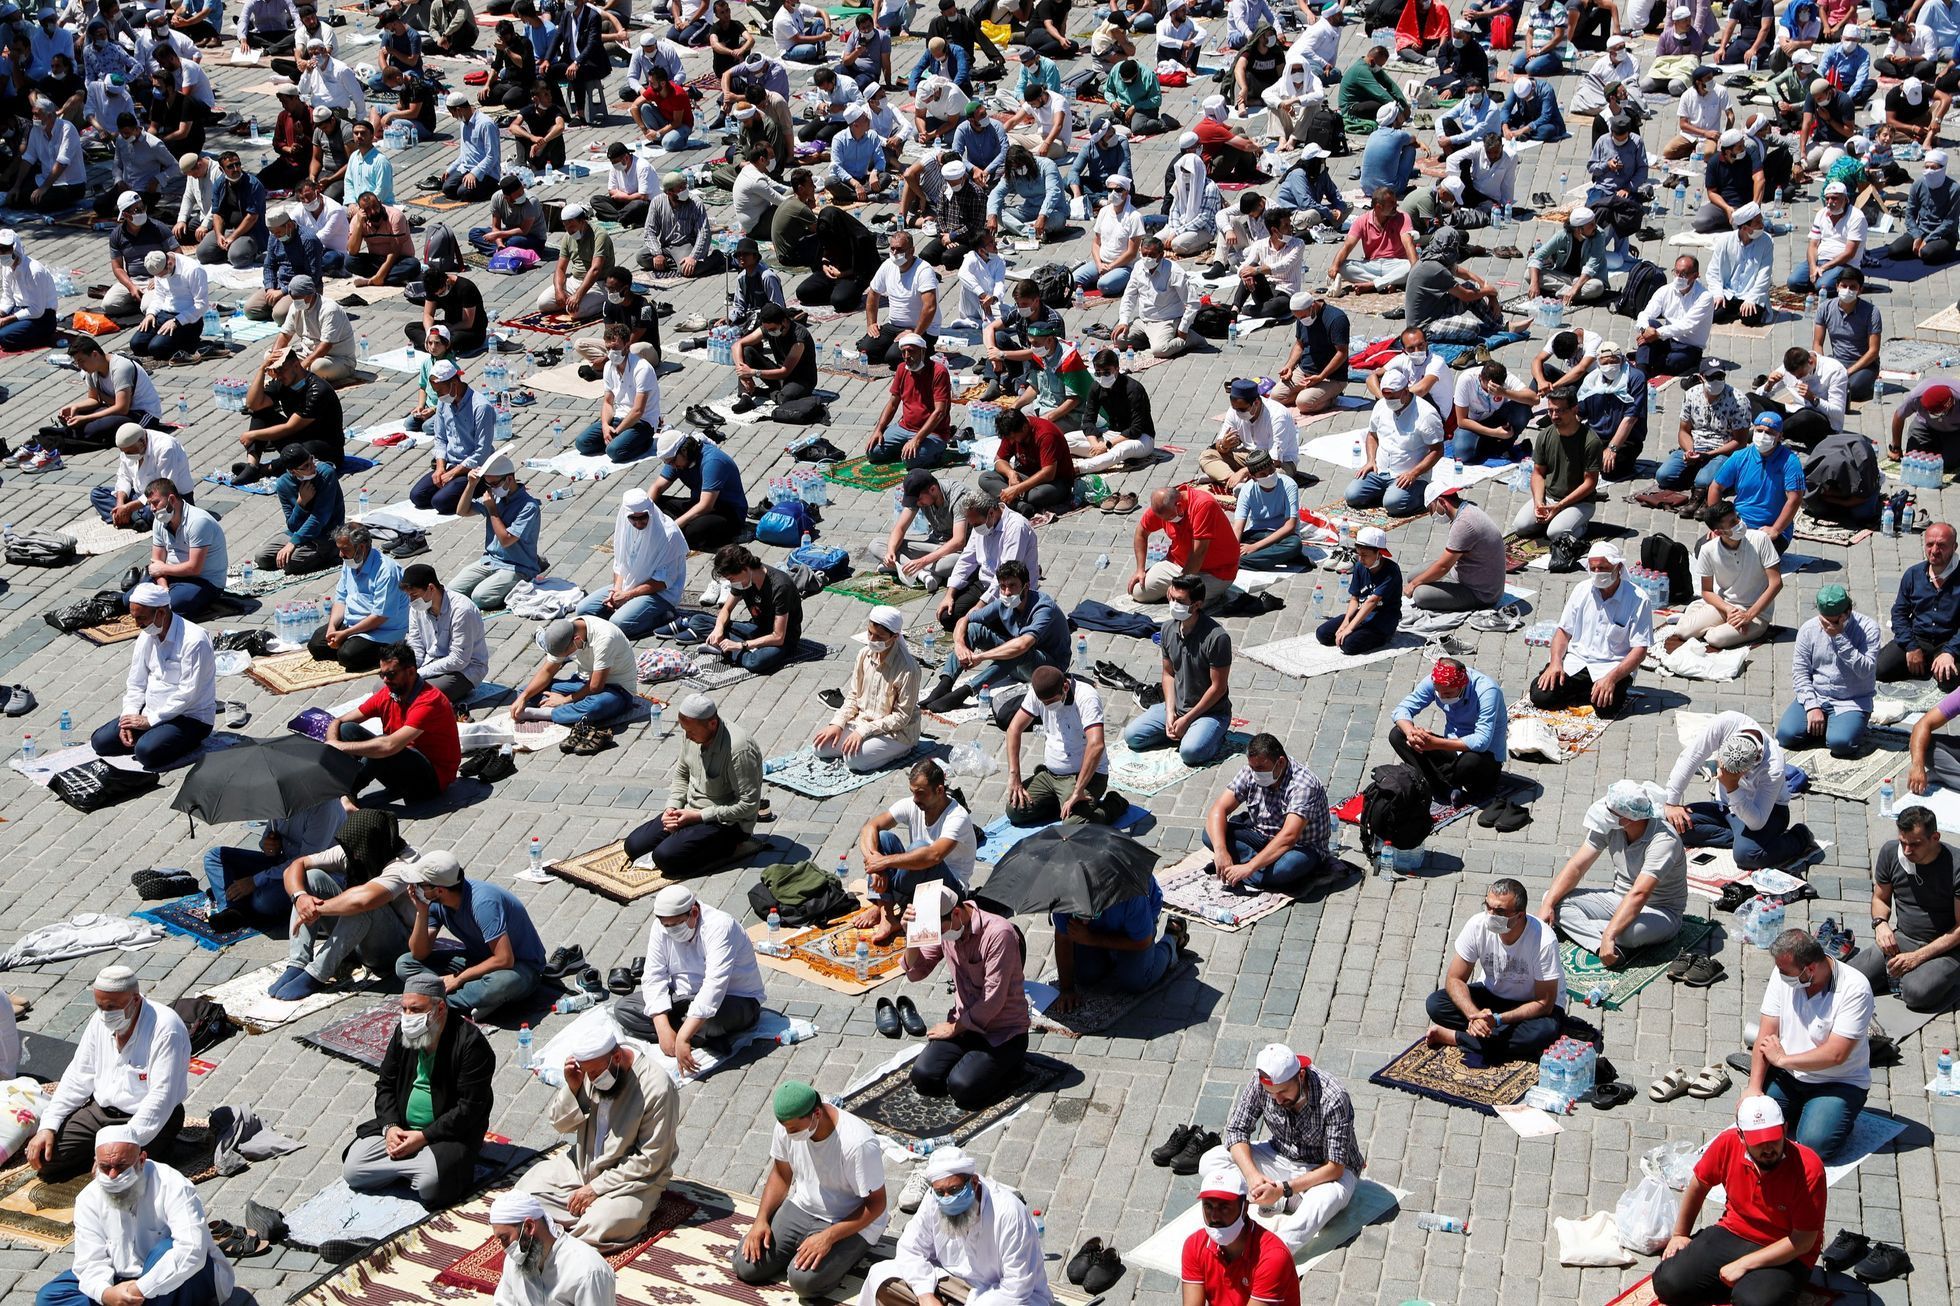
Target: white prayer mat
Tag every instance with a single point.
(1306, 657)
(565, 380)
(339, 288)
(393, 426)
(94, 536)
(497, 729)
(248, 1007)
(404, 515)
(1338, 448)
(1694, 660)
(406, 359)
(1873, 1131)
(580, 466)
(1163, 1251)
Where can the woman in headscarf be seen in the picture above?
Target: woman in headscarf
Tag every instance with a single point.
(649, 569)
(1259, 66)
(1613, 401)
(1190, 217)
(1229, 155)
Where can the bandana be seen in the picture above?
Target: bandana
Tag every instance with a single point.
(1449, 678)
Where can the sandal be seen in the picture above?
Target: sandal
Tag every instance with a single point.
(1710, 1081)
(1669, 1086)
(1607, 1096)
(1703, 971)
(620, 980)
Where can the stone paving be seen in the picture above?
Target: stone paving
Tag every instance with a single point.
(1342, 976)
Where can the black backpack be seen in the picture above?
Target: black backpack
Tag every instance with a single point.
(801, 412)
(1670, 557)
(205, 1021)
(1212, 321)
(440, 249)
(1321, 125)
(1395, 807)
(1056, 285)
(1643, 279)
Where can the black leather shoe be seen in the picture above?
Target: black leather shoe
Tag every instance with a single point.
(1084, 1260)
(1167, 1151)
(1884, 1263)
(886, 1018)
(909, 1017)
(1846, 1250)
(1102, 1276)
(568, 958)
(1195, 1147)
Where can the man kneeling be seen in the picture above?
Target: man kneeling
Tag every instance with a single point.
(432, 1102)
(823, 1205)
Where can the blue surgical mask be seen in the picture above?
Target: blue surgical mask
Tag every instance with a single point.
(958, 1203)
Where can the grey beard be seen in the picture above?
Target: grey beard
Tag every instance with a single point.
(427, 1042)
(957, 1225)
(126, 1201)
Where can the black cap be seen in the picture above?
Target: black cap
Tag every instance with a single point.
(917, 482)
(747, 245)
(510, 183)
(294, 455)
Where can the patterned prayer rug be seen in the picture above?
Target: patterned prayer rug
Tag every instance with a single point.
(190, 917)
(296, 672)
(827, 955)
(1577, 728)
(1812, 531)
(119, 631)
(1099, 1009)
(1519, 553)
(1151, 773)
(1584, 971)
(362, 1037)
(1444, 1075)
(1190, 888)
(608, 872)
(711, 673)
(482, 1268)
(41, 1215)
(439, 201)
(1854, 779)
(550, 324)
(1642, 1294)
(876, 587)
(890, 1105)
(862, 474)
(802, 773)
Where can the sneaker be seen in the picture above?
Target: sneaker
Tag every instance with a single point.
(47, 460)
(1195, 1147)
(25, 454)
(1846, 1250)
(1167, 1152)
(914, 1191)
(1885, 1262)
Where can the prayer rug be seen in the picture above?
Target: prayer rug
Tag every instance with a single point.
(1854, 779)
(248, 1006)
(876, 587)
(93, 536)
(190, 917)
(1306, 657)
(862, 474)
(607, 871)
(1642, 1294)
(710, 672)
(802, 773)
(550, 324)
(405, 359)
(1151, 773)
(1710, 870)
(439, 201)
(1584, 971)
(1341, 510)
(1518, 554)
(1099, 1009)
(1001, 834)
(565, 380)
(826, 955)
(293, 673)
(1577, 728)
(119, 631)
(1163, 1251)
(40, 1215)
(1446, 1075)
(1812, 531)
(1946, 320)
(362, 1037)
(482, 1267)
(1899, 1021)
(1191, 887)
(890, 1105)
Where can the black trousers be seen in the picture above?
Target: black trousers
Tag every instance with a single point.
(686, 850)
(1892, 662)
(969, 1069)
(1577, 692)
(709, 530)
(965, 599)
(1693, 1275)
(717, 1031)
(883, 347)
(356, 652)
(842, 294)
(1477, 774)
(630, 213)
(407, 776)
(74, 1143)
(1935, 253)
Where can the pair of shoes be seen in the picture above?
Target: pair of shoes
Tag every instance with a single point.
(892, 1018)
(1700, 972)
(680, 632)
(244, 473)
(25, 454)
(1095, 1268)
(831, 698)
(1605, 1097)
(47, 460)
(1178, 931)
(570, 958)
(1505, 816)
(1184, 1148)
(587, 739)
(154, 886)
(19, 699)
(620, 980)
(1734, 895)
(1885, 1262)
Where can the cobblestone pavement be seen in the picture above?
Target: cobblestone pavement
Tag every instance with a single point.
(1342, 975)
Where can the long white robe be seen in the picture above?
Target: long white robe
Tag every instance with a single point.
(998, 1255)
(573, 1275)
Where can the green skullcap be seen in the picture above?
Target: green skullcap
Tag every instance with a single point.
(1832, 600)
(795, 1100)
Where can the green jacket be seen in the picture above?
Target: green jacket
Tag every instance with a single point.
(1363, 92)
(1556, 252)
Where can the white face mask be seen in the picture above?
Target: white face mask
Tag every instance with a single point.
(1790, 981)
(1268, 482)
(1611, 371)
(1448, 700)
(415, 1024)
(117, 1021)
(1419, 356)
(419, 605)
(1149, 264)
(1847, 296)
(1265, 779)
(880, 645)
(1716, 389)
(1108, 380)
(680, 933)
(1180, 611)
(499, 493)
(603, 1081)
(904, 260)
(1605, 580)
(617, 357)
(1847, 45)
(117, 1184)
(1681, 284)
(1225, 1235)
(948, 938)
(1763, 443)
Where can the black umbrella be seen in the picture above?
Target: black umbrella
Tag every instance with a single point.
(265, 779)
(1079, 869)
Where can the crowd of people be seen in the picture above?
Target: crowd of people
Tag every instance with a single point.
(980, 136)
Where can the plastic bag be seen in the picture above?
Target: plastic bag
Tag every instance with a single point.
(1591, 1241)
(1673, 1163)
(1644, 1217)
(21, 1104)
(968, 761)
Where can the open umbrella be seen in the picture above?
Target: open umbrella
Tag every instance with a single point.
(1079, 869)
(266, 779)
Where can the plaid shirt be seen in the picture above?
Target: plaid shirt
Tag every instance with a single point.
(962, 209)
(1267, 807)
(1319, 1130)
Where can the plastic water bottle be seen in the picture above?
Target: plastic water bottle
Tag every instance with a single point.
(364, 351)
(1435, 1222)
(791, 1034)
(1887, 523)
(1885, 796)
(27, 748)
(843, 866)
(226, 333)
(503, 424)
(183, 405)
(1810, 305)
(245, 574)
(572, 1002)
(67, 729)
(806, 539)
(252, 130)
(862, 961)
(659, 710)
(1354, 452)
(365, 500)
(1596, 996)
(1944, 1085)
(1385, 860)
(1221, 915)
(525, 1057)
(1081, 650)
(1102, 562)
(1456, 467)
(987, 699)
(1564, 183)
(775, 921)
(537, 857)
(863, 363)
(1232, 333)
(932, 647)
(1040, 1225)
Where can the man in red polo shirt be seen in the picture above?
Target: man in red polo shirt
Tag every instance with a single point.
(1202, 542)
(1761, 1252)
(1034, 470)
(921, 399)
(415, 756)
(1232, 1261)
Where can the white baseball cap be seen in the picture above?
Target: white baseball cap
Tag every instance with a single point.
(1759, 1120)
(1276, 1062)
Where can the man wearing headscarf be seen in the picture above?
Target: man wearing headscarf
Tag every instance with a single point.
(542, 1267)
(432, 1103)
(620, 1109)
(973, 1231)
(649, 569)
(1389, 157)
(348, 900)
(1190, 218)
(1750, 813)
(1466, 760)
(823, 1204)
(170, 699)
(1603, 634)
(140, 1236)
(702, 985)
(1650, 876)
(1932, 216)
(1306, 1170)
(130, 1069)
(878, 721)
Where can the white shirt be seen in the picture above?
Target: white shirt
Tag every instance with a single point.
(638, 177)
(1804, 1023)
(1590, 97)
(173, 676)
(955, 823)
(1685, 319)
(716, 964)
(904, 292)
(573, 1275)
(161, 456)
(606, 649)
(1832, 237)
(1044, 115)
(1282, 264)
(980, 278)
(1272, 429)
(1115, 230)
(146, 1077)
(628, 381)
(998, 1254)
(831, 1179)
(1601, 631)
(941, 98)
(1741, 574)
(1495, 179)
(1511, 970)
(26, 290)
(985, 550)
(1064, 727)
(1160, 296)
(1402, 439)
(789, 24)
(1761, 788)
(62, 144)
(1321, 43)
(332, 84)
(196, 83)
(328, 226)
(751, 197)
(112, 1243)
(1830, 389)
(1705, 111)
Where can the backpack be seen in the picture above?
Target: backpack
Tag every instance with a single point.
(1212, 321)
(41, 548)
(95, 785)
(1395, 807)
(1670, 557)
(806, 411)
(785, 524)
(801, 894)
(1321, 125)
(1643, 279)
(204, 1020)
(830, 561)
(513, 259)
(1056, 285)
(439, 248)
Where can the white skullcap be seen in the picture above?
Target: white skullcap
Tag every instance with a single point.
(1805, 55)
(571, 213)
(591, 1040)
(1629, 798)
(185, 162)
(115, 1136)
(444, 370)
(1118, 182)
(1453, 185)
(457, 100)
(888, 618)
(1680, 12)
(1212, 102)
(1616, 42)
(635, 500)
(668, 445)
(648, 40)
(853, 112)
(156, 262)
(946, 1162)
(1739, 752)
(129, 435)
(697, 707)
(1836, 188)
(1745, 213)
(955, 171)
(1852, 32)
(150, 595)
(119, 979)
(1187, 142)
(1729, 139)
(499, 463)
(1605, 551)
(910, 338)
(1388, 115)
(514, 1207)
(1399, 374)
(1582, 215)
(674, 900)
(1936, 158)
(1302, 301)
(1914, 88)
(1277, 1064)
(1522, 85)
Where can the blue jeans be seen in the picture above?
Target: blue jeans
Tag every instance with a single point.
(1476, 449)
(1203, 738)
(695, 33)
(1825, 285)
(1294, 866)
(673, 138)
(1111, 968)
(164, 743)
(1772, 845)
(1821, 1114)
(1537, 65)
(30, 333)
(1106, 283)
(1842, 730)
(628, 442)
(224, 867)
(891, 448)
(759, 661)
(200, 1289)
(190, 595)
(483, 994)
(900, 884)
(981, 638)
(1377, 489)
(636, 618)
(333, 262)
(804, 53)
(608, 704)
(1287, 553)
(103, 499)
(1674, 475)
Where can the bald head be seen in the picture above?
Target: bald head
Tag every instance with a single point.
(1164, 502)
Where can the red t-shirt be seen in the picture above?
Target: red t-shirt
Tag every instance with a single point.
(1212, 135)
(1377, 240)
(920, 394)
(431, 713)
(1765, 1207)
(676, 106)
(1041, 445)
(1203, 519)
(1267, 1273)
